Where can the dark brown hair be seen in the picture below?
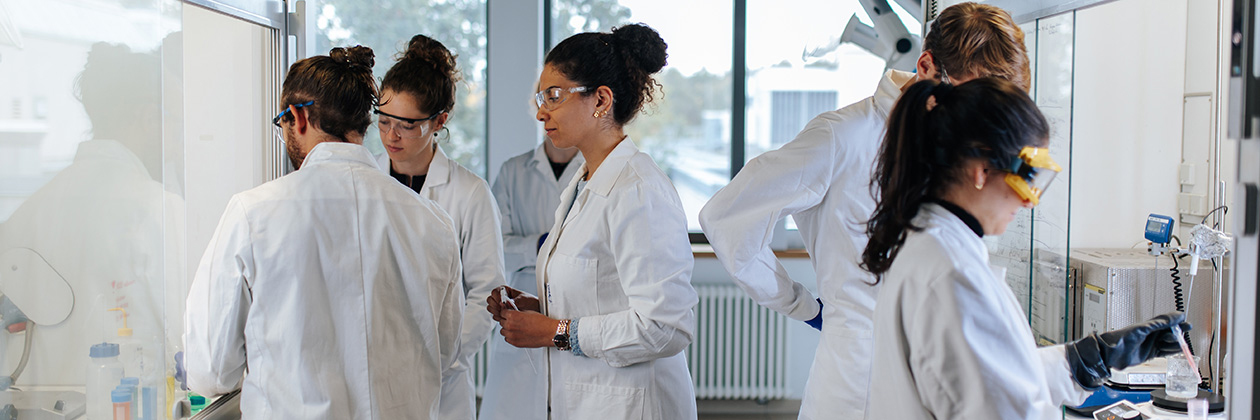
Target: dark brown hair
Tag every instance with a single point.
(340, 84)
(427, 71)
(623, 60)
(926, 147)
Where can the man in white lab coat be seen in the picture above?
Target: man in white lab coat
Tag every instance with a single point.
(336, 287)
(528, 192)
(822, 178)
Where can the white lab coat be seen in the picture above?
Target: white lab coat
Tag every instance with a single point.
(951, 341)
(102, 224)
(528, 194)
(822, 178)
(467, 198)
(620, 263)
(336, 287)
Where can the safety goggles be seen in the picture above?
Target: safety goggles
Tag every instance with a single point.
(1031, 172)
(406, 128)
(551, 98)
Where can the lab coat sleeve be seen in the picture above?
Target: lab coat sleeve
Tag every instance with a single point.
(739, 220)
(450, 319)
(652, 255)
(1063, 389)
(966, 358)
(519, 249)
(218, 302)
(481, 254)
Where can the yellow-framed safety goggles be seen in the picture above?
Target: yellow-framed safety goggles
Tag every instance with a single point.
(1031, 173)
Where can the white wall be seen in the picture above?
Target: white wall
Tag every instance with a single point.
(1130, 74)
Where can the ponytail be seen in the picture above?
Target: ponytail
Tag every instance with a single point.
(933, 129)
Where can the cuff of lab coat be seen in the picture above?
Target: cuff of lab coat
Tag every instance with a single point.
(591, 337)
(1063, 388)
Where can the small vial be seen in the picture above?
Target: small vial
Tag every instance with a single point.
(1197, 409)
(122, 404)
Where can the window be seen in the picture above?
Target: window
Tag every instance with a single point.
(460, 25)
(690, 131)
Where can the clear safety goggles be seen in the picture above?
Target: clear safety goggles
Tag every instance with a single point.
(1031, 172)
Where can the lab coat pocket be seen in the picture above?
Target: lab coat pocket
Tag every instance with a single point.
(604, 402)
(571, 290)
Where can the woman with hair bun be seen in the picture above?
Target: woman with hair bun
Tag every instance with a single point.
(417, 97)
(615, 269)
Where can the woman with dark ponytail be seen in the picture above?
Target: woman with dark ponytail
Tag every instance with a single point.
(417, 98)
(950, 338)
(615, 269)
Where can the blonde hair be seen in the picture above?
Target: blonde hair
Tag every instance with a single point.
(978, 40)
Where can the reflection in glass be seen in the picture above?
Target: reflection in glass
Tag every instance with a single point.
(687, 128)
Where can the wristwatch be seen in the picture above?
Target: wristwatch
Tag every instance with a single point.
(561, 340)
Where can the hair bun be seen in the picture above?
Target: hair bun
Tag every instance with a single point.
(641, 46)
(429, 50)
(356, 55)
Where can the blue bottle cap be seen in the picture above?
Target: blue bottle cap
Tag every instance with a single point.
(103, 350)
(197, 400)
(131, 381)
(120, 396)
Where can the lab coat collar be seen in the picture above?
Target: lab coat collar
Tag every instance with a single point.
(889, 90)
(102, 149)
(331, 151)
(602, 181)
(542, 164)
(439, 168)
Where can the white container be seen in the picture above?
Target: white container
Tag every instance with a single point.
(104, 373)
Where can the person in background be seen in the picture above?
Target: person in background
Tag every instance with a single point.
(615, 269)
(951, 340)
(821, 178)
(417, 97)
(528, 192)
(335, 287)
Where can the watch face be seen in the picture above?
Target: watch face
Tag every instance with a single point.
(561, 341)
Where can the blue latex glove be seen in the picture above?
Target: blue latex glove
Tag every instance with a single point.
(180, 375)
(1092, 358)
(541, 239)
(817, 321)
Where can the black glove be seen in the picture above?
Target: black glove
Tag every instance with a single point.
(1092, 358)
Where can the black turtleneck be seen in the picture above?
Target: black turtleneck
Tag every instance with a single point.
(558, 168)
(413, 182)
(967, 218)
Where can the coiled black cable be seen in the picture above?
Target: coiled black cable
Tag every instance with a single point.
(1178, 296)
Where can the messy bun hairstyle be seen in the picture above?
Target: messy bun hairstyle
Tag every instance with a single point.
(623, 60)
(340, 84)
(426, 70)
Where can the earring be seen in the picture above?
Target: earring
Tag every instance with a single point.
(979, 186)
(596, 114)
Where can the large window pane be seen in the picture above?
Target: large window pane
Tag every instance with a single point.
(386, 27)
(687, 130)
(787, 86)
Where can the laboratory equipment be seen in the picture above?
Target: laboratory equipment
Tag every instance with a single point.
(121, 409)
(1183, 377)
(1159, 232)
(132, 384)
(104, 374)
(888, 38)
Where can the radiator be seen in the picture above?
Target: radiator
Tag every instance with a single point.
(739, 352)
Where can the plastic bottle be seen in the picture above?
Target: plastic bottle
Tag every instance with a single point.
(130, 349)
(121, 408)
(105, 372)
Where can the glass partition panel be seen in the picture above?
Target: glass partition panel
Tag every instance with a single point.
(386, 27)
(89, 193)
